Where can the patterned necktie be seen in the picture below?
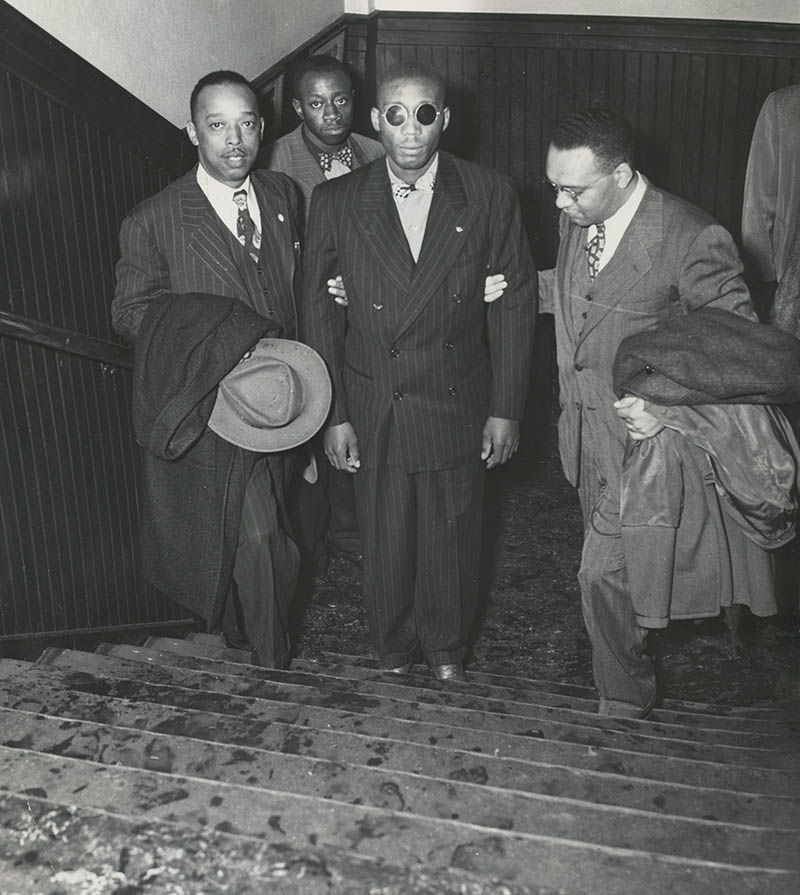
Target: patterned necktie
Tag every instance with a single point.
(594, 249)
(344, 155)
(246, 230)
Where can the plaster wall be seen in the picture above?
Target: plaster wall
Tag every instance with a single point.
(157, 50)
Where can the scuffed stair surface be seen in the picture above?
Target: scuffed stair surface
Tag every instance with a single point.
(335, 777)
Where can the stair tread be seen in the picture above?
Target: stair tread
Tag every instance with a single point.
(464, 710)
(392, 836)
(407, 791)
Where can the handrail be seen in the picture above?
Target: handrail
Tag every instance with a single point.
(50, 336)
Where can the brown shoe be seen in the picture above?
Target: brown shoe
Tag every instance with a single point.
(450, 672)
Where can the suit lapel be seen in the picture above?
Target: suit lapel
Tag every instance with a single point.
(206, 239)
(305, 168)
(449, 222)
(631, 260)
(375, 218)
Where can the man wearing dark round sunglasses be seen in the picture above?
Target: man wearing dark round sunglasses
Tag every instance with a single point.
(429, 381)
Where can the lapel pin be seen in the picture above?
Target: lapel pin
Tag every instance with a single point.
(378, 307)
(459, 229)
(281, 218)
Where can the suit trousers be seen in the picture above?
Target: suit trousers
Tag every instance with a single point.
(623, 673)
(266, 565)
(421, 535)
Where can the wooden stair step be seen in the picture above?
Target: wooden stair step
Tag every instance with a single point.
(201, 648)
(786, 712)
(90, 850)
(410, 792)
(107, 675)
(463, 710)
(489, 688)
(392, 836)
(38, 690)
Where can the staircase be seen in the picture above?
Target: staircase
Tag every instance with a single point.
(176, 767)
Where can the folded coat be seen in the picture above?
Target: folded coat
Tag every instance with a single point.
(193, 480)
(722, 473)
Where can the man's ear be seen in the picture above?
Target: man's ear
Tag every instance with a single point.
(191, 131)
(296, 105)
(445, 117)
(261, 129)
(623, 175)
(375, 118)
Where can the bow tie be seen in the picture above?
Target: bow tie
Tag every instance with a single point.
(344, 155)
(404, 190)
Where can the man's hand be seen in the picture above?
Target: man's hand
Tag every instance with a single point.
(494, 286)
(341, 447)
(639, 422)
(500, 441)
(336, 289)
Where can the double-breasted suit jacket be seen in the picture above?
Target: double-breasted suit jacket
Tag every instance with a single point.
(418, 349)
(290, 155)
(174, 242)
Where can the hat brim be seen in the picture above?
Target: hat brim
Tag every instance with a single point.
(316, 383)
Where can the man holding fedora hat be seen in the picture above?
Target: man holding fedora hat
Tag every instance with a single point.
(220, 245)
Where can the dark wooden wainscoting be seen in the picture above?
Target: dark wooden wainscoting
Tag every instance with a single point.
(691, 89)
(76, 154)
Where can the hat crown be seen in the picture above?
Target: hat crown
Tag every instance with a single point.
(264, 393)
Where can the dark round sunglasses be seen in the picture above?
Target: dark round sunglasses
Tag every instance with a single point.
(397, 114)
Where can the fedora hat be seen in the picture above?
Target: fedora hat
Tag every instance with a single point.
(275, 399)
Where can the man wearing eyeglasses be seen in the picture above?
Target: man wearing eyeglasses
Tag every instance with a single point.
(429, 381)
(630, 256)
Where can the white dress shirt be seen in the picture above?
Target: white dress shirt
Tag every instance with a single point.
(414, 209)
(220, 196)
(618, 223)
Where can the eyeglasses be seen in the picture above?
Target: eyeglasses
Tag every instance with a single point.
(574, 194)
(397, 114)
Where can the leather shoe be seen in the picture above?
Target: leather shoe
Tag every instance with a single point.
(450, 672)
(400, 669)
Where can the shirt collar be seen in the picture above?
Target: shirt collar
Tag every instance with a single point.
(427, 181)
(617, 224)
(219, 193)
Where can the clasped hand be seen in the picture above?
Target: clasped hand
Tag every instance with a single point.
(640, 423)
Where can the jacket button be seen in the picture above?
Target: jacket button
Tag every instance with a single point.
(588, 298)
(648, 369)
(451, 389)
(398, 396)
(584, 315)
(578, 366)
(449, 346)
(395, 352)
(456, 297)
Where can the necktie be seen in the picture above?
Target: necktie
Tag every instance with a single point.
(246, 231)
(404, 190)
(344, 155)
(594, 249)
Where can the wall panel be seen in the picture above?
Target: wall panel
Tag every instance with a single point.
(691, 89)
(76, 154)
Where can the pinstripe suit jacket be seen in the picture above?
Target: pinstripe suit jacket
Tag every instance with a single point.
(673, 259)
(290, 155)
(417, 348)
(174, 242)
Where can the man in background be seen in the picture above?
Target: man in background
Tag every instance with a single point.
(429, 384)
(323, 147)
(224, 230)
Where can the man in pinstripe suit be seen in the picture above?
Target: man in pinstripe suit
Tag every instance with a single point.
(429, 384)
(191, 238)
